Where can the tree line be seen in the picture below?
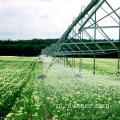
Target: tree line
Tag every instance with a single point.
(24, 47)
(34, 47)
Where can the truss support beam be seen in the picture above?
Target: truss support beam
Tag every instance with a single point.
(89, 17)
(109, 14)
(119, 49)
(94, 66)
(81, 16)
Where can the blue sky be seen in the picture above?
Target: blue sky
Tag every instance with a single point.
(27, 19)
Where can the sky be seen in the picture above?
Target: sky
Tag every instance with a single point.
(28, 19)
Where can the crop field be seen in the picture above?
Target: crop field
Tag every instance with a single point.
(64, 93)
(20, 94)
(103, 66)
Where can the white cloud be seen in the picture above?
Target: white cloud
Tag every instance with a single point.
(37, 18)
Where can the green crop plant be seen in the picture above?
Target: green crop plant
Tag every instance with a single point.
(64, 94)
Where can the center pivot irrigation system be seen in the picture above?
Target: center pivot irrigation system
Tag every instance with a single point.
(96, 31)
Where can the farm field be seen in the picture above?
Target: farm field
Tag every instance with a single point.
(20, 94)
(64, 94)
(104, 66)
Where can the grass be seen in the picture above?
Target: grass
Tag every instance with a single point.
(60, 95)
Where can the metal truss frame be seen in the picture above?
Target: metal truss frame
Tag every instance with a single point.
(72, 42)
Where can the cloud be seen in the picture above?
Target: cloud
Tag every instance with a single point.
(37, 18)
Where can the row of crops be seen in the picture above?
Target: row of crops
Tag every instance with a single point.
(74, 95)
(103, 66)
(64, 93)
(20, 97)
